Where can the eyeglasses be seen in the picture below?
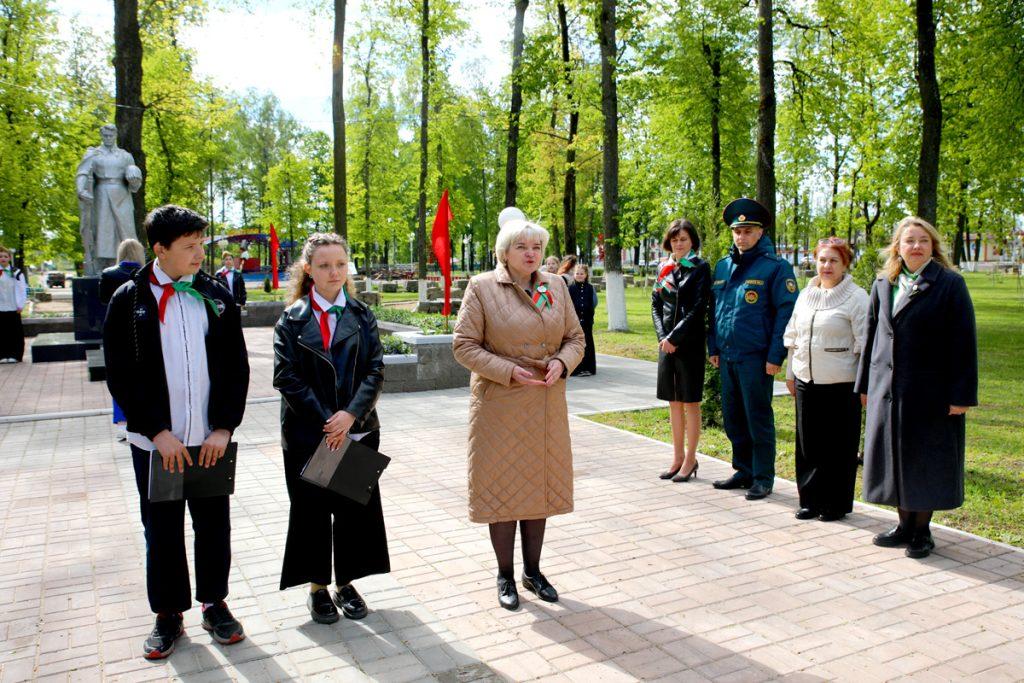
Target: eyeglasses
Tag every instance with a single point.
(832, 241)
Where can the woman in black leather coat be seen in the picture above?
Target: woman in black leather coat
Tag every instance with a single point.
(329, 368)
(678, 307)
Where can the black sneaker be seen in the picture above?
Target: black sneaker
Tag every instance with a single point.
(224, 628)
(321, 607)
(160, 643)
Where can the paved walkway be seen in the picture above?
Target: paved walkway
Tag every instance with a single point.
(658, 580)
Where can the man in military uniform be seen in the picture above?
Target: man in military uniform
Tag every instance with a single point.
(752, 297)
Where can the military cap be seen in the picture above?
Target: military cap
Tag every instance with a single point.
(746, 212)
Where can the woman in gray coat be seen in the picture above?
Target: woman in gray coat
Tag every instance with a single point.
(918, 376)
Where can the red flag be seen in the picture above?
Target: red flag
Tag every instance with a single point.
(441, 241)
(274, 246)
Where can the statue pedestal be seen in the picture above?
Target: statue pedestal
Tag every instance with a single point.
(88, 311)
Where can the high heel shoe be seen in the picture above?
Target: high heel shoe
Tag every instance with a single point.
(670, 473)
(686, 477)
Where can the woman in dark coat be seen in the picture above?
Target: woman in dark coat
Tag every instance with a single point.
(329, 368)
(584, 300)
(917, 377)
(678, 307)
(131, 255)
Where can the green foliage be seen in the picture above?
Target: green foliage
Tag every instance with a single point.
(267, 285)
(394, 345)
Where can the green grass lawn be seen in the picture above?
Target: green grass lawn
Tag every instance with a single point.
(994, 505)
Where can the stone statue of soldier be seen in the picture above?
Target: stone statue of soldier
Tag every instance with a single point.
(106, 177)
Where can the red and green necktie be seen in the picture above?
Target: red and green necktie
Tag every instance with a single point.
(181, 286)
(542, 297)
(325, 328)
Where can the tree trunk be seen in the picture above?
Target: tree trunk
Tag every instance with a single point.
(421, 209)
(931, 114)
(128, 96)
(338, 119)
(512, 154)
(713, 56)
(766, 113)
(569, 189)
(366, 158)
(616, 299)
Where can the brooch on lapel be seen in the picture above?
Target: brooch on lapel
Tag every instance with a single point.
(219, 305)
(140, 312)
(542, 297)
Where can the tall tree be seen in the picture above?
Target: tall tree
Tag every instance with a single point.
(516, 105)
(421, 208)
(931, 113)
(766, 110)
(616, 299)
(338, 119)
(569, 189)
(128, 95)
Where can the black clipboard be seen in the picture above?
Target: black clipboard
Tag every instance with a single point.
(351, 471)
(195, 481)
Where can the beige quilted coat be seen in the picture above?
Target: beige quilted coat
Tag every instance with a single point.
(520, 456)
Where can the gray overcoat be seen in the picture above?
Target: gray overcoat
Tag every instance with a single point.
(916, 364)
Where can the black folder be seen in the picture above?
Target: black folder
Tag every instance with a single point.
(351, 471)
(195, 481)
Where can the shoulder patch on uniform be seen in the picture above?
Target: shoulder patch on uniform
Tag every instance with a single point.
(750, 297)
(790, 285)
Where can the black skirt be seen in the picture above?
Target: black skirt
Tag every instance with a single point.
(589, 362)
(681, 374)
(12, 335)
(827, 437)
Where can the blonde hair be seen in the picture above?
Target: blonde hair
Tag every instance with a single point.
(131, 250)
(226, 254)
(516, 229)
(300, 282)
(5, 250)
(894, 262)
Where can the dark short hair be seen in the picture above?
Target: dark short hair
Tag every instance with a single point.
(676, 227)
(167, 223)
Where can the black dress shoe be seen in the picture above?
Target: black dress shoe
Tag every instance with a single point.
(321, 607)
(806, 513)
(758, 491)
(736, 481)
(350, 602)
(892, 538)
(831, 516)
(222, 625)
(921, 545)
(539, 585)
(160, 642)
(508, 596)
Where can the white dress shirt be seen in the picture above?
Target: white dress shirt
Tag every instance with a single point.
(183, 343)
(229, 276)
(13, 291)
(332, 325)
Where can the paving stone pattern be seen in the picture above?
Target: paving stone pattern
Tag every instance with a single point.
(677, 582)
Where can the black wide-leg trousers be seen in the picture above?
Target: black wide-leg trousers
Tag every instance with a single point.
(12, 335)
(827, 437)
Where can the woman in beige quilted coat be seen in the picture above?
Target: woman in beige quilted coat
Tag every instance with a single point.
(519, 335)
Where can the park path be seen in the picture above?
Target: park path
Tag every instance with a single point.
(658, 580)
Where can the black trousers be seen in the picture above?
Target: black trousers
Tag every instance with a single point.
(167, 580)
(827, 437)
(12, 335)
(320, 520)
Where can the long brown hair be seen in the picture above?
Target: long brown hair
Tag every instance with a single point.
(568, 263)
(893, 260)
(300, 282)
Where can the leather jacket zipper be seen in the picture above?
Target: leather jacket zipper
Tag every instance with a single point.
(334, 372)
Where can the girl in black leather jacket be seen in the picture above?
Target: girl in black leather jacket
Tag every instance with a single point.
(329, 368)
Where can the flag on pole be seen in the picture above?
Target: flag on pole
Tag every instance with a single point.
(442, 244)
(274, 246)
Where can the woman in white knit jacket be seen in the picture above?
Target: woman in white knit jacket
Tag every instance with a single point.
(825, 337)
